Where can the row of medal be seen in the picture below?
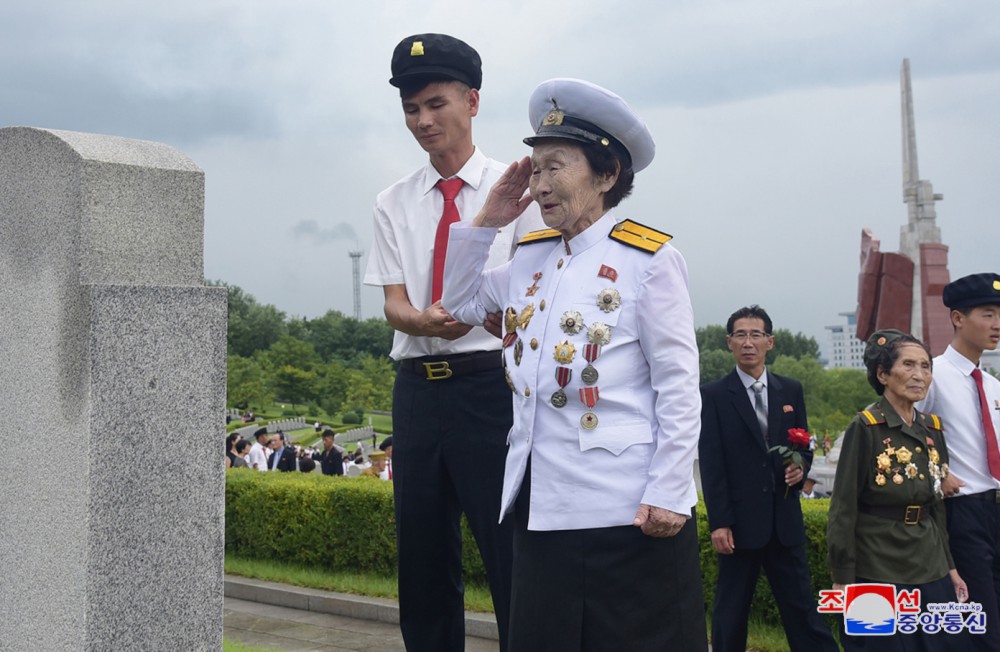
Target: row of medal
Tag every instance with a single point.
(571, 322)
(903, 455)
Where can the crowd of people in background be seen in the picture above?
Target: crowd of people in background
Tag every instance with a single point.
(274, 452)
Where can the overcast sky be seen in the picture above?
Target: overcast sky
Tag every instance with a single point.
(777, 124)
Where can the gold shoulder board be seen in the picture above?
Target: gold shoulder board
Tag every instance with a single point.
(872, 417)
(539, 236)
(932, 421)
(639, 236)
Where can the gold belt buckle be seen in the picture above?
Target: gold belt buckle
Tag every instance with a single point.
(912, 515)
(437, 370)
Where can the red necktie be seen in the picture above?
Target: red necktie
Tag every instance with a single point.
(449, 188)
(992, 451)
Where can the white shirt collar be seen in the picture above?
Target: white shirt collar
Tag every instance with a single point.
(471, 173)
(749, 380)
(961, 362)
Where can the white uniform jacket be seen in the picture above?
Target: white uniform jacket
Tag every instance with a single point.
(648, 407)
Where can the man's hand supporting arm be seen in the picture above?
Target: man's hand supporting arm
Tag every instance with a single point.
(433, 322)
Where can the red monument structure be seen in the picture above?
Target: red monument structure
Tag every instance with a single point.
(903, 289)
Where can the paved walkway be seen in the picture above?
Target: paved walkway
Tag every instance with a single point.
(282, 617)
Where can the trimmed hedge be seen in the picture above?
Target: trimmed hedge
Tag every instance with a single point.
(348, 523)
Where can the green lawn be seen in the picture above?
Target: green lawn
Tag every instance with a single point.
(235, 646)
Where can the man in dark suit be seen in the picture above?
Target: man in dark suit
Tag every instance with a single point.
(331, 458)
(283, 457)
(752, 497)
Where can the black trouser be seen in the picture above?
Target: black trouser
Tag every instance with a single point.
(608, 589)
(787, 570)
(974, 539)
(449, 447)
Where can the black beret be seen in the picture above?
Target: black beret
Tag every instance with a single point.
(386, 443)
(429, 57)
(972, 290)
(259, 431)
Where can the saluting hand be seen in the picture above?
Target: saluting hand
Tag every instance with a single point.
(506, 200)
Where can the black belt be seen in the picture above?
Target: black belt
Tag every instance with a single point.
(441, 367)
(991, 496)
(911, 514)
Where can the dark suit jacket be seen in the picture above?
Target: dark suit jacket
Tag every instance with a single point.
(743, 484)
(331, 462)
(287, 461)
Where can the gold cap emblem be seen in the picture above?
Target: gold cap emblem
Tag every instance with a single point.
(996, 285)
(417, 49)
(554, 118)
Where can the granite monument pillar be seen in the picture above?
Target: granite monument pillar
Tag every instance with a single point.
(112, 389)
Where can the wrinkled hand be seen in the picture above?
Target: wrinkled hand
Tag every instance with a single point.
(722, 541)
(658, 522)
(494, 324)
(793, 474)
(506, 200)
(435, 322)
(961, 590)
(952, 485)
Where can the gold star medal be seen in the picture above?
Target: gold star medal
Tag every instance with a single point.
(897, 479)
(880, 480)
(564, 352)
(904, 455)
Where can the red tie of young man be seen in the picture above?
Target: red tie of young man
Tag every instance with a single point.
(992, 450)
(449, 188)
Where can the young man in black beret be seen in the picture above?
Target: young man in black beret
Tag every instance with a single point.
(451, 404)
(967, 400)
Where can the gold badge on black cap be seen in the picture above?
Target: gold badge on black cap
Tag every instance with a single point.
(417, 49)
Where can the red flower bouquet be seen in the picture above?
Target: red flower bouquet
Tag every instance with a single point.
(798, 438)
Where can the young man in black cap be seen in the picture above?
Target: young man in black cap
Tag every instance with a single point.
(451, 405)
(968, 402)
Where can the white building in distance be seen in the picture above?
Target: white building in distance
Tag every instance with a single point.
(843, 349)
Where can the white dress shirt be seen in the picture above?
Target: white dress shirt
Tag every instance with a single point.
(649, 408)
(953, 396)
(406, 218)
(258, 456)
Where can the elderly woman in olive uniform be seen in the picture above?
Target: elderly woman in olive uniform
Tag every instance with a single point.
(601, 359)
(887, 519)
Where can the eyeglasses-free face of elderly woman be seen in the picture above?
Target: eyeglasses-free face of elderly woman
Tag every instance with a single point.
(907, 379)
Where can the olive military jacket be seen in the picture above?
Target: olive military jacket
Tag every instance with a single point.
(886, 466)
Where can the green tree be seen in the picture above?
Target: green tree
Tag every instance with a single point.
(332, 387)
(294, 385)
(252, 326)
(712, 338)
(796, 346)
(714, 364)
(246, 383)
(292, 352)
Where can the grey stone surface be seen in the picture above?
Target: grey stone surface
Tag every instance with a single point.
(381, 610)
(111, 536)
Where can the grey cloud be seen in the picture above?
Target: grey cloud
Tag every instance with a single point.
(310, 230)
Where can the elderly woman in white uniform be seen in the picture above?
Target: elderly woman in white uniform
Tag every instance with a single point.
(601, 358)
